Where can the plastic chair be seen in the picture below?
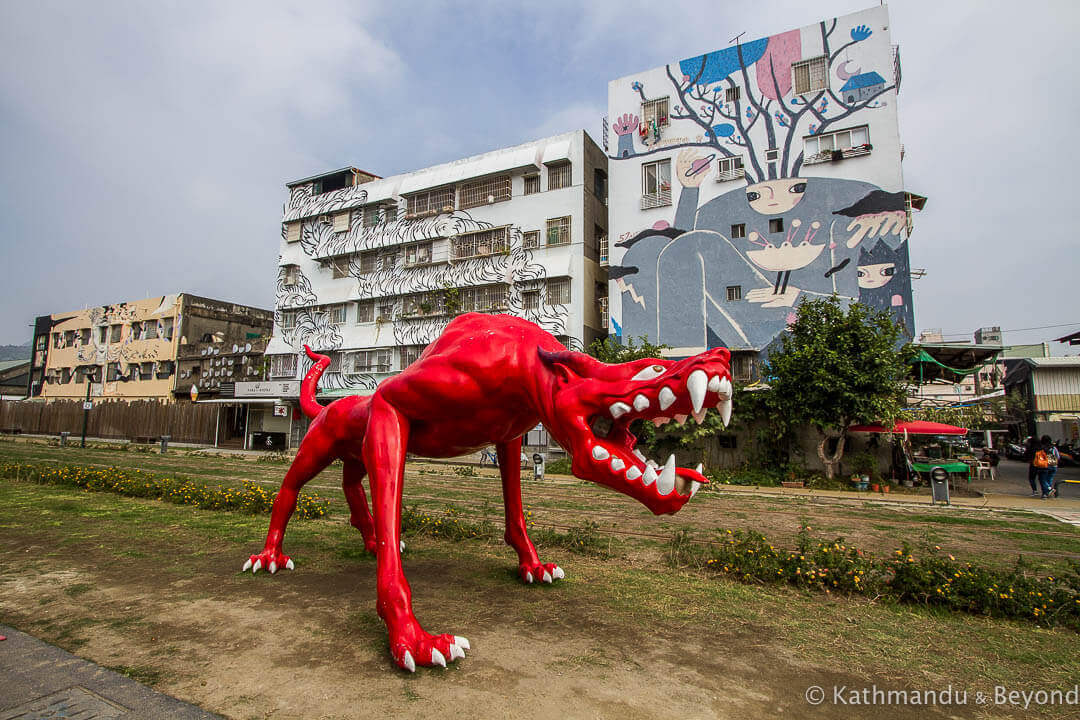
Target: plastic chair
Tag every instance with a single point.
(984, 466)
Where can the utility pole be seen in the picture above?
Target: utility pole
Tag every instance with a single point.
(86, 407)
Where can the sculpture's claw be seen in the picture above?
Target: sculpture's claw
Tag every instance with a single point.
(247, 566)
(462, 643)
(256, 567)
(401, 546)
(269, 560)
(408, 663)
(528, 578)
(558, 573)
(273, 567)
(540, 572)
(437, 658)
(290, 565)
(547, 577)
(456, 652)
(419, 648)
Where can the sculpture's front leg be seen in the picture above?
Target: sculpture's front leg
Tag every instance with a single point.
(384, 455)
(529, 566)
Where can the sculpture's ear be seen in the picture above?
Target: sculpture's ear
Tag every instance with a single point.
(570, 365)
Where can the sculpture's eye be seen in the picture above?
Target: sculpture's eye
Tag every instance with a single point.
(752, 196)
(888, 271)
(797, 189)
(653, 371)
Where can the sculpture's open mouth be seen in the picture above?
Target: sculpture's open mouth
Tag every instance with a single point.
(608, 454)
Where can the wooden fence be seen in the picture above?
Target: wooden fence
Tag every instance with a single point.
(183, 422)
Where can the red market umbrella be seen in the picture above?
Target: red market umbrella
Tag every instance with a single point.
(916, 427)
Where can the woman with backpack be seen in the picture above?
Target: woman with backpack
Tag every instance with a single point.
(1046, 462)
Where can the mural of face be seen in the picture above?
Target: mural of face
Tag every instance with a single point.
(875, 276)
(774, 197)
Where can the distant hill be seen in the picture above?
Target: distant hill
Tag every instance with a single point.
(15, 352)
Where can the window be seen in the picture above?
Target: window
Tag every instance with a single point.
(558, 231)
(146, 370)
(484, 192)
(826, 144)
(430, 201)
(84, 372)
(655, 110)
(410, 354)
(365, 311)
(136, 331)
(103, 334)
(655, 184)
(84, 336)
(371, 216)
(385, 312)
(167, 328)
(115, 332)
(165, 368)
(291, 275)
(772, 155)
(339, 267)
(776, 225)
(738, 231)
(341, 221)
(423, 304)
(69, 338)
(419, 254)
(600, 185)
(730, 168)
(335, 313)
(531, 239)
(558, 176)
(368, 361)
(731, 95)
(531, 299)
(558, 292)
(480, 244)
(57, 338)
(485, 298)
(810, 75)
(288, 319)
(150, 330)
(532, 184)
(734, 292)
(114, 372)
(283, 366)
(292, 231)
(369, 262)
(335, 360)
(388, 259)
(65, 376)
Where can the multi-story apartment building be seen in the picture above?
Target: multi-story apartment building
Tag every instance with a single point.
(147, 349)
(372, 269)
(747, 178)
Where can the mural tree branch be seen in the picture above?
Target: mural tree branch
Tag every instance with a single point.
(835, 368)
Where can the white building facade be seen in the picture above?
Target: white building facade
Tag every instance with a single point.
(372, 269)
(745, 179)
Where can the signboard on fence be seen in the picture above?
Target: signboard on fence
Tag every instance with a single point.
(281, 411)
(268, 389)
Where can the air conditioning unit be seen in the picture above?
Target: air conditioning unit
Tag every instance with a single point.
(326, 219)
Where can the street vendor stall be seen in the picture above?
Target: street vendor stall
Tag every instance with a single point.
(923, 445)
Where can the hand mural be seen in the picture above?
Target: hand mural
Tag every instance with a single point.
(860, 33)
(874, 224)
(692, 168)
(625, 125)
(769, 298)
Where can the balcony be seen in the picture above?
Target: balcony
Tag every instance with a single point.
(726, 175)
(603, 248)
(659, 199)
(836, 155)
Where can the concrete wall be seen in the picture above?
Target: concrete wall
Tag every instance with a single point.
(725, 259)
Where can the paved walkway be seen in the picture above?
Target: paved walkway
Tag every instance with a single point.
(39, 681)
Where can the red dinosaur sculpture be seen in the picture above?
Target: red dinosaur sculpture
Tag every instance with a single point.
(487, 380)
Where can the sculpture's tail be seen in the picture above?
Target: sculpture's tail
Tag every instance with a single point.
(310, 384)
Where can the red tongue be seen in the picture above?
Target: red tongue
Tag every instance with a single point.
(692, 474)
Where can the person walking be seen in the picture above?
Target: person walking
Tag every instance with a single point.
(1030, 448)
(1046, 460)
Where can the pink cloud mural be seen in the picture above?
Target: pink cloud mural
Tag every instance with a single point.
(774, 67)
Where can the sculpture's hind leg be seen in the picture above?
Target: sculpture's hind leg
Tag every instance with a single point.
(359, 515)
(312, 457)
(385, 442)
(529, 566)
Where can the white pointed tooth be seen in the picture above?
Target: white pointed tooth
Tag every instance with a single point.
(290, 565)
(247, 566)
(694, 487)
(617, 464)
(696, 384)
(699, 469)
(725, 411)
(652, 464)
(649, 477)
(638, 454)
(547, 577)
(666, 482)
(640, 402)
(714, 384)
(658, 421)
(699, 416)
(456, 652)
(462, 643)
(273, 567)
(528, 578)
(558, 573)
(681, 419)
(256, 567)
(725, 387)
(666, 398)
(408, 662)
(633, 473)
(437, 658)
(618, 409)
(600, 454)
(401, 546)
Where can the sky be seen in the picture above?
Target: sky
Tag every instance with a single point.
(145, 146)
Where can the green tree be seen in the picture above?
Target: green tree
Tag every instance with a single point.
(610, 350)
(836, 367)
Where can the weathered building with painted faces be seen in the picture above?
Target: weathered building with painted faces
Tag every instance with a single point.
(746, 179)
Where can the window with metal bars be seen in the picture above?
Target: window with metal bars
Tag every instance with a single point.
(530, 239)
(419, 254)
(734, 292)
(423, 304)
(339, 267)
(484, 192)
(288, 319)
(481, 243)
(731, 95)
(530, 299)
(532, 184)
(559, 176)
(335, 313)
(730, 168)
(283, 366)
(365, 311)
(655, 110)
(292, 231)
(409, 354)
(558, 291)
(430, 201)
(368, 361)
(369, 262)
(558, 231)
(738, 230)
(485, 298)
(655, 184)
(810, 75)
(292, 274)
